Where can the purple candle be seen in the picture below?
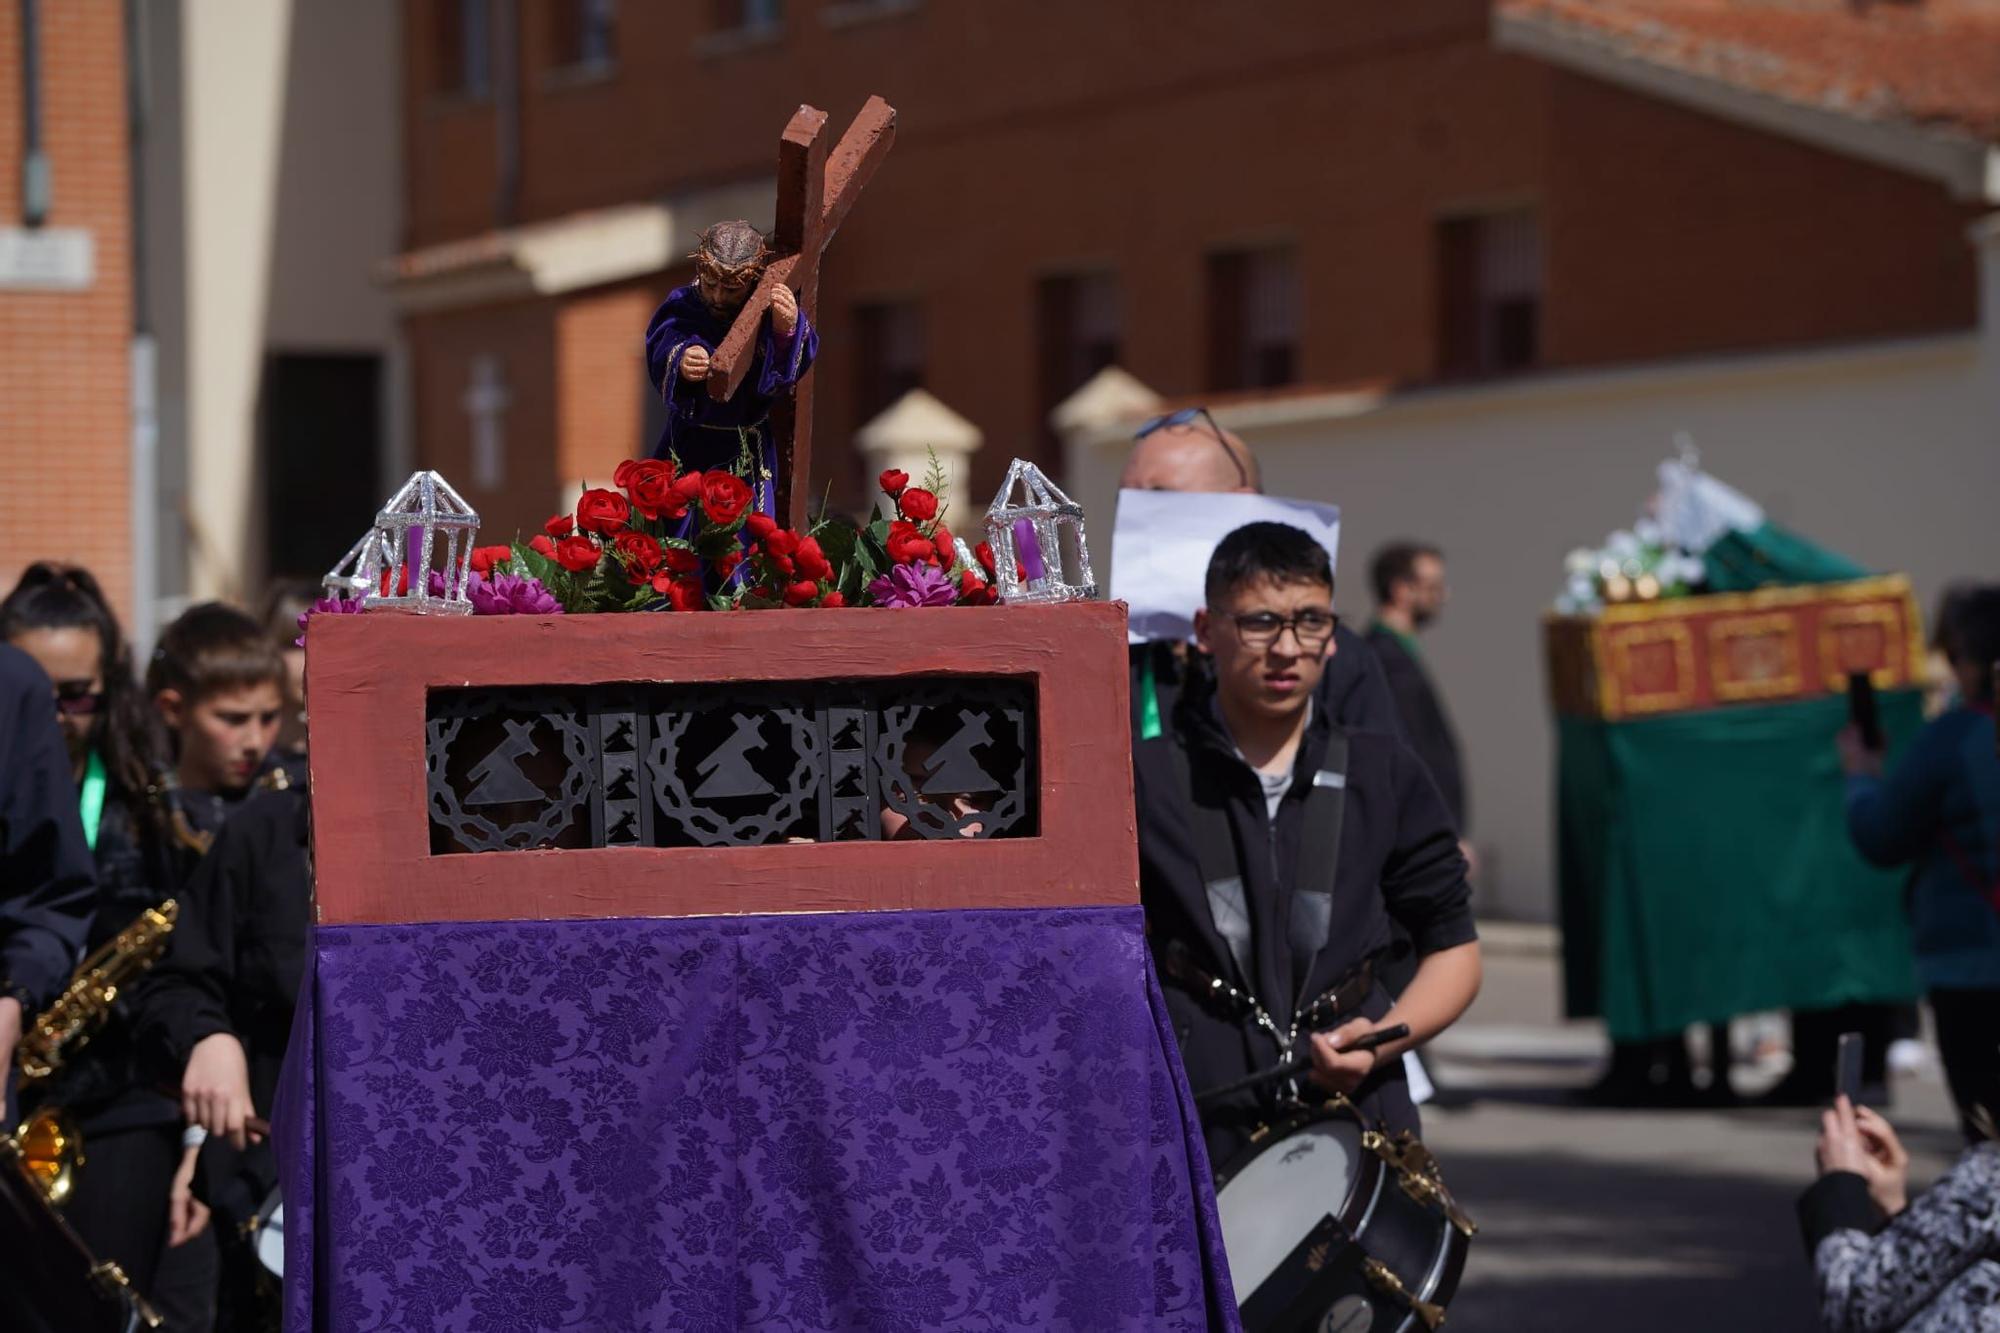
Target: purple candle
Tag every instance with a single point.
(1028, 548)
(413, 551)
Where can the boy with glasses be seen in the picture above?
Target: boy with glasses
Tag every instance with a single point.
(1275, 847)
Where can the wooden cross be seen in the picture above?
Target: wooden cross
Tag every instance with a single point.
(815, 192)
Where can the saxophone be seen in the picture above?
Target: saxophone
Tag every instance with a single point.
(48, 1144)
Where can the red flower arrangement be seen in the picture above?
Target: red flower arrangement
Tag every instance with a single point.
(666, 540)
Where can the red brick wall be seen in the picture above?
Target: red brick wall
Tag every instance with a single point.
(64, 376)
(1111, 136)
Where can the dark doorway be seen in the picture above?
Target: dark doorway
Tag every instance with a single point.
(322, 459)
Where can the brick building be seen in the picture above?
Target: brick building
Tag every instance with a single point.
(65, 292)
(1216, 197)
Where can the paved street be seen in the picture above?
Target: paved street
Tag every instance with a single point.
(1613, 1219)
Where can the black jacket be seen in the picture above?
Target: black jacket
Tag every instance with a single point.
(1398, 857)
(46, 886)
(1426, 725)
(235, 963)
(105, 1085)
(1352, 690)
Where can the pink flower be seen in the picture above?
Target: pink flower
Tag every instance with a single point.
(511, 595)
(914, 585)
(338, 606)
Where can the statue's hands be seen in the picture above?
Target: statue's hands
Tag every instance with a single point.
(694, 364)
(784, 311)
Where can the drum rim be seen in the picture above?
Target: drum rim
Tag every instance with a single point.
(1273, 1132)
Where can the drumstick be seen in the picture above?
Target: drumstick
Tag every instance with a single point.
(1367, 1041)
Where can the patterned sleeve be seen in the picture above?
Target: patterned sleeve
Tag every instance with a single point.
(1876, 1282)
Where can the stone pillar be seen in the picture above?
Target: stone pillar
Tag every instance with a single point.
(913, 429)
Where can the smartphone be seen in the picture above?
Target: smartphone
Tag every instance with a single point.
(1861, 710)
(1847, 1068)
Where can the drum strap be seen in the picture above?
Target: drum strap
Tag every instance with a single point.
(1216, 855)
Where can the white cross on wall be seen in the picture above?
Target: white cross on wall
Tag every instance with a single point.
(486, 402)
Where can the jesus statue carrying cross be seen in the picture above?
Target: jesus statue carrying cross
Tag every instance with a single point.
(747, 316)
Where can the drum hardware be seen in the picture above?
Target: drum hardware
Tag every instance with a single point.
(1418, 1173)
(1380, 1278)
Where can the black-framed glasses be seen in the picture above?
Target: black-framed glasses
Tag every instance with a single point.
(1311, 627)
(1182, 418)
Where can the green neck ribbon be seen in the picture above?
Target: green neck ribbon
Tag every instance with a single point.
(90, 802)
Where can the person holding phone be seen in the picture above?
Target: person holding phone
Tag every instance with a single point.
(1938, 812)
(1884, 1260)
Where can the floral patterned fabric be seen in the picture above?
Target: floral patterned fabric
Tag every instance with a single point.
(894, 1121)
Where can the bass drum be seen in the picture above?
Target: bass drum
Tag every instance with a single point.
(1331, 1227)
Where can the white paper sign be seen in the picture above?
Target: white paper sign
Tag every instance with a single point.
(49, 258)
(1162, 540)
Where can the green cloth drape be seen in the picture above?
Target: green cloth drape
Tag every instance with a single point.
(1740, 561)
(1704, 868)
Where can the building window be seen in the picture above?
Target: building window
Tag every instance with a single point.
(581, 33)
(1489, 293)
(464, 47)
(1077, 325)
(748, 15)
(1253, 318)
(888, 356)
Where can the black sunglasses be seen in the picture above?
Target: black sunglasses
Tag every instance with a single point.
(77, 698)
(1182, 418)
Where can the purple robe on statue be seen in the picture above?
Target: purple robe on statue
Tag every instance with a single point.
(701, 432)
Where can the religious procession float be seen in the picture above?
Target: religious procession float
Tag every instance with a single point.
(1701, 663)
(728, 916)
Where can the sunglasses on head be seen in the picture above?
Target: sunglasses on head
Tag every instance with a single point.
(77, 698)
(1182, 418)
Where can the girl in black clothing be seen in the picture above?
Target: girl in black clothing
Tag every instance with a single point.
(132, 1131)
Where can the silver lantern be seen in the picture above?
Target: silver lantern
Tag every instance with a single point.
(1026, 525)
(407, 531)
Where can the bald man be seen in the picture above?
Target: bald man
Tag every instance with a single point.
(1188, 451)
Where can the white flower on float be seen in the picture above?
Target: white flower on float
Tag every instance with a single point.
(1580, 561)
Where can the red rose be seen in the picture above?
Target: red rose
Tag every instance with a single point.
(893, 481)
(686, 595)
(918, 505)
(760, 526)
(560, 526)
(983, 553)
(782, 542)
(907, 545)
(576, 554)
(543, 546)
(724, 497)
(603, 512)
(485, 557)
(801, 594)
(682, 593)
(947, 550)
(975, 591)
(680, 560)
(651, 485)
(728, 563)
(640, 553)
(833, 599)
(812, 561)
(622, 476)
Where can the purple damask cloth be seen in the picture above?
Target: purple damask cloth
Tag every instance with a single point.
(888, 1121)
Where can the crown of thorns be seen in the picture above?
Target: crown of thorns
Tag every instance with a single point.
(729, 252)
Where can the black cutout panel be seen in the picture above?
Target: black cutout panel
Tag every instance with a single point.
(731, 765)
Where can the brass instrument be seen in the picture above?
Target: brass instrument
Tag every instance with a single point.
(85, 1003)
(48, 1144)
